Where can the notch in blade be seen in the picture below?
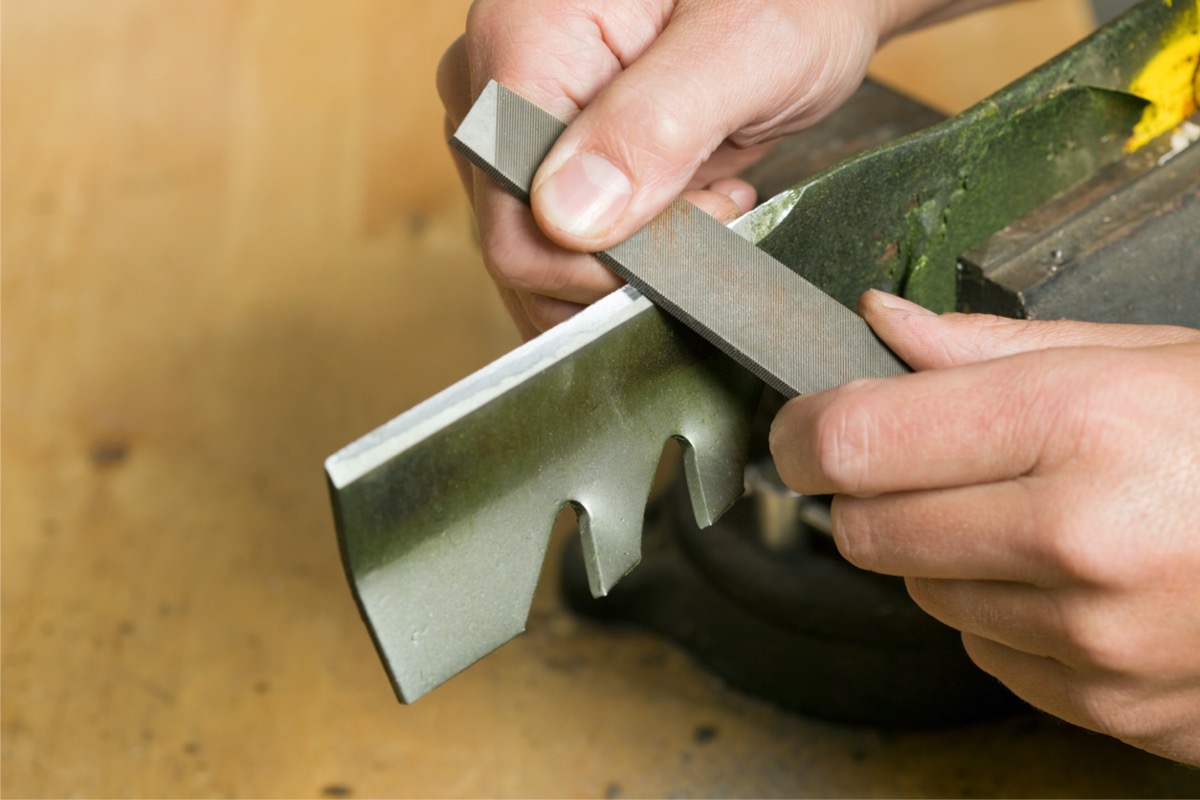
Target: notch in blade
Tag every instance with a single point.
(444, 514)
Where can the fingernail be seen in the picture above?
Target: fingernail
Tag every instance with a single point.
(585, 197)
(744, 197)
(897, 303)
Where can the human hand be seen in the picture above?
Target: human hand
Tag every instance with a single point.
(1038, 485)
(661, 97)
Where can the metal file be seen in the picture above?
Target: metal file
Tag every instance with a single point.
(773, 322)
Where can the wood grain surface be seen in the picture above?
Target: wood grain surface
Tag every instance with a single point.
(232, 243)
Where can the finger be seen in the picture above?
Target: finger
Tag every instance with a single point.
(516, 310)
(1017, 615)
(928, 341)
(518, 255)
(466, 175)
(558, 55)
(454, 81)
(1039, 680)
(454, 89)
(1086, 628)
(719, 206)
(744, 195)
(1104, 702)
(982, 423)
(636, 146)
(729, 159)
(545, 312)
(982, 532)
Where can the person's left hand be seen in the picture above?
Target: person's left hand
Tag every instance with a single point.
(1038, 485)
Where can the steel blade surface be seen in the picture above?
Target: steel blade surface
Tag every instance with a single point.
(444, 514)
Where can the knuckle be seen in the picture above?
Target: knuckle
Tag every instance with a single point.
(1094, 707)
(717, 205)
(497, 245)
(544, 312)
(451, 73)
(1059, 547)
(1096, 642)
(484, 18)
(509, 259)
(925, 593)
(1117, 709)
(519, 276)
(843, 434)
(667, 145)
(518, 256)
(781, 442)
(1075, 548)
(852, 532)
(756, 134)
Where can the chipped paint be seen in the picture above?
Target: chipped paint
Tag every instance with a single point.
(1170, 81)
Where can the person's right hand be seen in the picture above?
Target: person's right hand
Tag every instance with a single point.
(660, 97)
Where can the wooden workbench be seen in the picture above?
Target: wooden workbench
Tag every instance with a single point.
(232, 243)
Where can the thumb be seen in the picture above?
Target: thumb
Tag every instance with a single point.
(638, 143)
(928, 341)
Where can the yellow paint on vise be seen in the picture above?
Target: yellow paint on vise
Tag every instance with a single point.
(1170, 82)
